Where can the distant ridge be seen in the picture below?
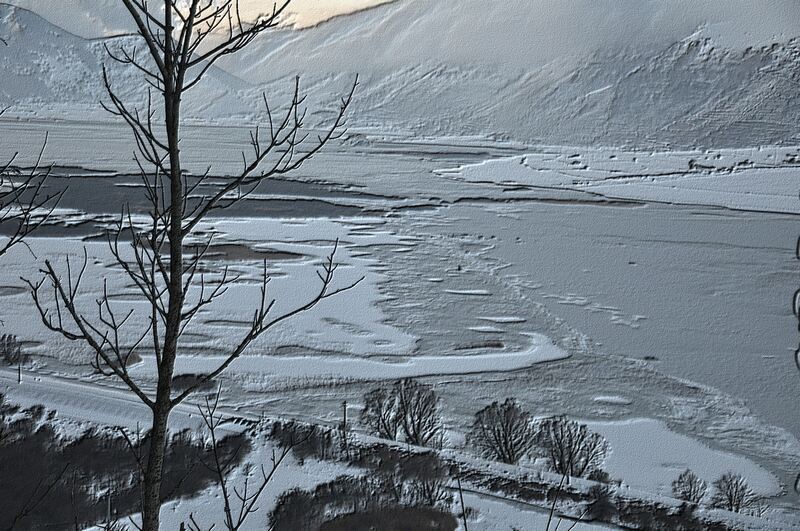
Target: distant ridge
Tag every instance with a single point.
(635, 78)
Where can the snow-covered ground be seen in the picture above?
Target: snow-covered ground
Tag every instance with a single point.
(759, 179)
(287, 367)
(648, 456)
(599, 223)
(476, 275)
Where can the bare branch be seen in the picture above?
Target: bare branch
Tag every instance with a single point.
(261, 322)
(284, 143)
(139, 12)
(24, 205)
(38, 495)
(239, 503)
(167, 261)
(66, 295)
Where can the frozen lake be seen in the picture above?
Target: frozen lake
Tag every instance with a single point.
(475, 263)
(704, 293)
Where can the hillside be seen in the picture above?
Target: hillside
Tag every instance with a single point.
(48, 72)
(669, 74)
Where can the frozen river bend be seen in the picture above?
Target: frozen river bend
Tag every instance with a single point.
(585, 282)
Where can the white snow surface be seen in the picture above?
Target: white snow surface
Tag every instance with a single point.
(647, 455)
(759, 179)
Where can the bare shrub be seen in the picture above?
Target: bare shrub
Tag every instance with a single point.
(406, 477)
(411, 496)
(395, 519)
(11, 350)
(570, 447)
(640, 514)
(427, 481)
(758, 508)
(689, 488)
(380, 413)
(296, 509)
(305, 441)
(503, 432)
(410, 408)
(599, 475)
(418, 407)
(601, 504)
(732, 493)
(113, 525)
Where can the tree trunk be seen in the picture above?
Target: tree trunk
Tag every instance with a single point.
(151, 490)
(151, 503)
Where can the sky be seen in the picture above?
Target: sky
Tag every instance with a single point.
(310, 12)
(97, 18)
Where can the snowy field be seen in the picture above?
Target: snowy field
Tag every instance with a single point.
(591, 289)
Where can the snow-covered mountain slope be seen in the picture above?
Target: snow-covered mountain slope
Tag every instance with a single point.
(48, 72)
(86, 18)
(663, 73)
(517, 35)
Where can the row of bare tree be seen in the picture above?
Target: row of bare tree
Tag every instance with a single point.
(507, 433)
(409, 411)
(731, 492)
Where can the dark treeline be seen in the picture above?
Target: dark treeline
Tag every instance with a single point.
(51, 482)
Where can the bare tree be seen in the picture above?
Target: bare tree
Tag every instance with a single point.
(239, 502)
(418, 408)
(410, 408)
(24, 203)
(380, 413)
(430, 490)
(689, 488)
(182, 40)
(732, 493)
(569, 446)
(503, 432)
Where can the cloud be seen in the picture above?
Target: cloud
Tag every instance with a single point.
(99, 18)
(307, 13)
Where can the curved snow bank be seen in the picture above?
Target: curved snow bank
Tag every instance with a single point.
(540, 351)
